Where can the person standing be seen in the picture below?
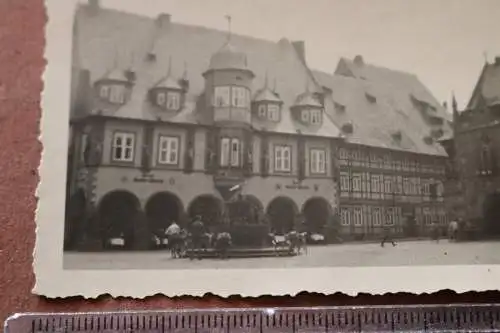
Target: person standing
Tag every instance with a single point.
(387, 236)
(197, 232)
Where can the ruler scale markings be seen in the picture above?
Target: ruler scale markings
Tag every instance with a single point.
(358, 319)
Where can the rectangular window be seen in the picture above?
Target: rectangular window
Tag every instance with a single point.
(123, 147)
(305, 116)
(235, 152)
(224, 151)
(343, 154)
(104, 92)
(282, 161)
(427, 187)
(262, 110)
(344, 181)
(358, 216)
(160, 99)
(173, 100)
(318, 161)
(389, 216)
(221, 96)
(116, 94)
(344, 216)
(239, 97)
(400, 185)
(406, 186)
(168, 150)
(356, 182)
(375, 184)
(388, 184)
(273, 112)
(315, 117)
(377, 216)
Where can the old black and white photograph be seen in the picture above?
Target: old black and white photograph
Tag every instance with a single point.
(230, 135)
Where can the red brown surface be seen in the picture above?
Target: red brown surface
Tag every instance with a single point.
(21, 67)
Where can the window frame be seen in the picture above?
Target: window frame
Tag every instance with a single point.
(314, 156)
(227, 159)
(344, 182)
(233, 100)
(377, 216)
(157, 98)
(315, 114)
(262, 110)
(279, 152)
(117, 94)
(219, 96)
(305, 116)
(173, 96)
(124, 135)
(168, 138)
(357, 213)
(356, 182)
(276, 112)
(234, 158)
(225, 154)
(345, 220)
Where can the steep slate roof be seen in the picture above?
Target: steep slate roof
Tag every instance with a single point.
(379, 123)
(108, 37)
(487, 89)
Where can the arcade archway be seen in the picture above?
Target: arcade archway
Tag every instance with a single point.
(281, 213)
(118, 213)
(491, 214)
(316, 212)
(208, 207)
(161, 210)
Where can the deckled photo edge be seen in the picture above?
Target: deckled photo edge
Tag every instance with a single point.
(52, 280)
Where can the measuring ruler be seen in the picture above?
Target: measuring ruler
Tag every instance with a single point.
(418, 318)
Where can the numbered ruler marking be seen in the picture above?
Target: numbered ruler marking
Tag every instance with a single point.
(458, 318)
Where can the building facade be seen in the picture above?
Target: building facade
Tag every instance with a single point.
(391, 163)
(171, 121)
(476, 141)
(193, 123)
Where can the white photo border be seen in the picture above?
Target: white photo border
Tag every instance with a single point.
(53, 281)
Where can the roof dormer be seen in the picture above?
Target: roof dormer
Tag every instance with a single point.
(267, 103)
(307, 109)
(115, 86)
(168, 93)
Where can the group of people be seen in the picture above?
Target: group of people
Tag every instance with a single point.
(195, 238)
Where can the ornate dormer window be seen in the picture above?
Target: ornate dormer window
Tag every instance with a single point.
(267, 104)
(168, 93)
(308, 109)
(114, 87)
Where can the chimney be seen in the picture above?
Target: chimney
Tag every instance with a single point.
(94, 6)
(358, 60)
(300, 48)
(163, 20)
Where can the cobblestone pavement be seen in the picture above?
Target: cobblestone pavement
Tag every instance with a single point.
(405, 253)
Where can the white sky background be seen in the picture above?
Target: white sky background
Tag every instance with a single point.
(443, 42)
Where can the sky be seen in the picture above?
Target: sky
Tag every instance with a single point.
(444, 42)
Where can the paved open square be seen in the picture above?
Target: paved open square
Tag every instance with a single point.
(412, 253)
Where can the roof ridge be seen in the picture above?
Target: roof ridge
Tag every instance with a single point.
(82, 6)
(379, 67)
